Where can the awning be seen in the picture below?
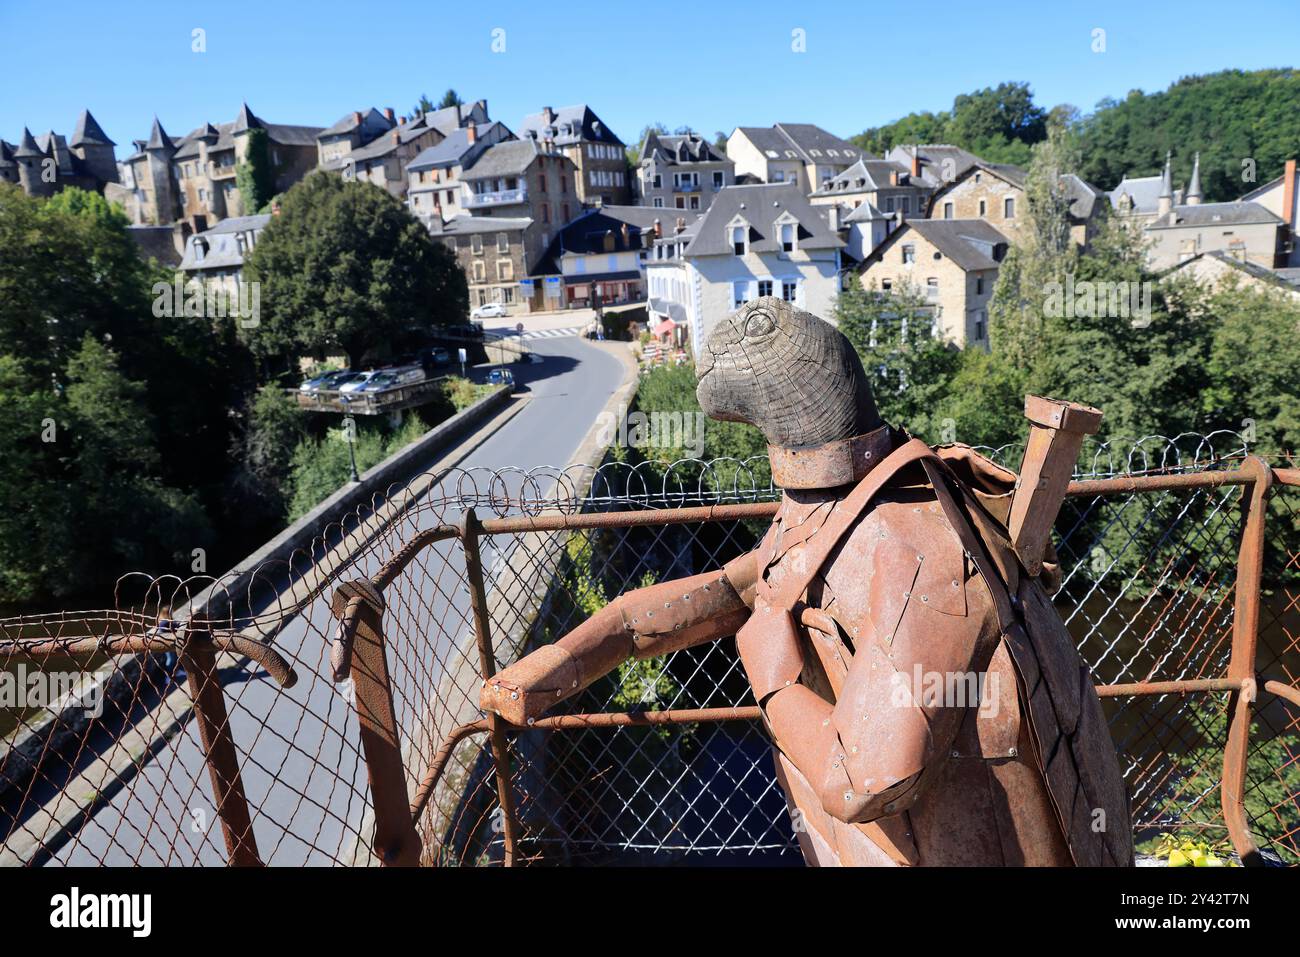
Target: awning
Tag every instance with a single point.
(664, 328)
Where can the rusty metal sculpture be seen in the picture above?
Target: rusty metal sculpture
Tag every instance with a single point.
(924, 699)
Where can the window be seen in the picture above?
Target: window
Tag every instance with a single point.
(503, 243)
(778, 176)
(739, 293)
(789, 290)
(787, 237)
(659, 202)
(738, 240)
(1009, 208)
(889, 204)
(886, 285)
(476, 244)
(764, 287)
(932, 289)
(909, 254)
(505, 269)
(681, 203)
(947, 210)
(717, 179)
(983, 207)
(480, 270)
(907, 205)
(979, 285)
(695, 202)
(980, 323)
(658, 181)
(507, 294)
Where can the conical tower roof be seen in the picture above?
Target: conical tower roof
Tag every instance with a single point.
(89, 131)
(246, 121)
(158, 138)
(27, 146)
(1194, 187)
(1167, 178)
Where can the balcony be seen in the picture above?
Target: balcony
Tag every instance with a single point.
(502, 197)
(686, 187)
(223, 172)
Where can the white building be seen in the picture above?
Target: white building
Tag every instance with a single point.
(758, 240)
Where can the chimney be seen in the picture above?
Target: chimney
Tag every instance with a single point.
(471, 132)
(833, 217)
(1288, 195)
(390, 115)
(548, 115)
(681, 225)
(356, 117)
(626, 239)
(916, 162)
(397, 138)
(893, 177)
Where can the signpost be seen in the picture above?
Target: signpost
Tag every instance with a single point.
(463, 357)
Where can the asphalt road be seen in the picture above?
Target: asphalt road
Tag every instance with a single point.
(303, 771)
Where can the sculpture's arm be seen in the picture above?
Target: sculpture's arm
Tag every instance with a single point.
(644, 623)
(865, 754)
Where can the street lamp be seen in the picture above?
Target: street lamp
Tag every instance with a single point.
(349, 433)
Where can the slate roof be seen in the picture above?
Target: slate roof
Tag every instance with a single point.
(1287, 279)
(760, 206)
(468, 225)
(89, 131)
(27, 146)
(970, 243)
(932, 156)
(866, 175)
(386, 142)
(803, 141)
(371, 121)
(282, 133)
(510, 158)
(864, 213)
(572, 124)
(1144, 190)
(453, 117)
(1214, 214)
(6, 155)
(680, 149)
(586, 234)
(456, 149)
(223, 247)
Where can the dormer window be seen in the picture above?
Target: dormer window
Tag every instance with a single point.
(739, 241)
(787, 237)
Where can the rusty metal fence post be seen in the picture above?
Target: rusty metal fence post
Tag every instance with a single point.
(470, 529)
(359, 655)
(1241, 664)
(198, 656)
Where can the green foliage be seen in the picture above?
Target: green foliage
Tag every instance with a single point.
(998, 124)
(1187, 852)
(275, 428)
(320, 467)
(449, 99)
(463, 393)
(1238, 120)
(255, 174)
(423, 105)
(115, 485)
(346, 266)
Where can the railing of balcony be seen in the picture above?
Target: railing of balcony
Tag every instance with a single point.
(499, 197)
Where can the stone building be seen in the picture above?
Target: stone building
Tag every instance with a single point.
(44, 165)
(434, 186)
(1281, 197)
(375, 147)
(493, 251)
(192, 180)
(681, 172)
(952, 264)
(756, 240)
(600, 258)
(799, 153)
(599, 156)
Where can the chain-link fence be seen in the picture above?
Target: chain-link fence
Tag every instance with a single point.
(325, 710)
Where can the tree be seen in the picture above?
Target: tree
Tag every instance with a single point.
(255, 175)
(423, 105)
(345, 266)
(449, 99)
(909, 367)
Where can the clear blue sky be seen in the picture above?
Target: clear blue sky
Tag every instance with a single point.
(705, 64)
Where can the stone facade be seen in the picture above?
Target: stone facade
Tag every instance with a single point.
(597, 154)
(44, 165)
(995, 195)
(952, 266)
(493, 252)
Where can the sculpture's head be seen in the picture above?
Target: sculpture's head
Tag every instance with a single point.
(787, 372)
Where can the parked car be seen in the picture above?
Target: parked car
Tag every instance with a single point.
(441, 356)
(489, 310)
(355, 384)
(328, 381)
(503, 377)
(392, 378)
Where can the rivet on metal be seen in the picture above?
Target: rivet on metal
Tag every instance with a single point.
(1013, 752)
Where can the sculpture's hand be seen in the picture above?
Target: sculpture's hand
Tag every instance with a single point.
(645, 623)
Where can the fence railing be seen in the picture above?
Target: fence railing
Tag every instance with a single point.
(328, 714)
